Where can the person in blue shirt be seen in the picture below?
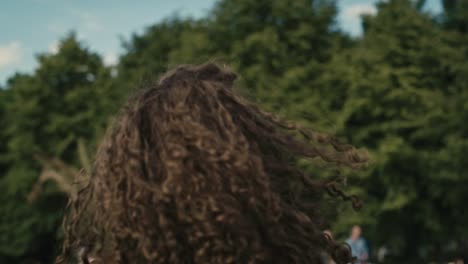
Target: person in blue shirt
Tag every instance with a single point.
(358, 245)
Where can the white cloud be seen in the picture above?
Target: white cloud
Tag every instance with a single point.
(110, 59)
(355, 11)
(350, 17)
(54, 47)
(10, 54)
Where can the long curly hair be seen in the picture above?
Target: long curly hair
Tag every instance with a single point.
(191, 172)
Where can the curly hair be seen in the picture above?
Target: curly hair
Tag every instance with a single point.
(191, 172)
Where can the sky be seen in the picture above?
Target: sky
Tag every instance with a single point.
(31, 27)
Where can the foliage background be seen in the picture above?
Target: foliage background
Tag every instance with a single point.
(400, 90)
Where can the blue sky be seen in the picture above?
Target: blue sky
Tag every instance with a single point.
(29, 27)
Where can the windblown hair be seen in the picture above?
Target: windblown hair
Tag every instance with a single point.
(191, 172)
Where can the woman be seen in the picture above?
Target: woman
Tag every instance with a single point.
(193, 173)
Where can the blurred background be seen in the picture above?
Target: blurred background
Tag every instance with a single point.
(389, 76)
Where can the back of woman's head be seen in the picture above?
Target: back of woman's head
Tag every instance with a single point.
(190, 172)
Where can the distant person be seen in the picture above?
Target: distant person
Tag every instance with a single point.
(191, 172)
(358, 245)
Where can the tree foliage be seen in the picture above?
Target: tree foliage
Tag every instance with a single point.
(45, 113)
(403, 93)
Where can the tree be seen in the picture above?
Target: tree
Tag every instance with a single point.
(455, 15)
(399, 95)
(278, 47)
(171, 42)
(45, 115)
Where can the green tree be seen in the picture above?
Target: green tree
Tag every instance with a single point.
(45, 116)
(399, 94)
(455, 15)
(278, 47)
(162, 46)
